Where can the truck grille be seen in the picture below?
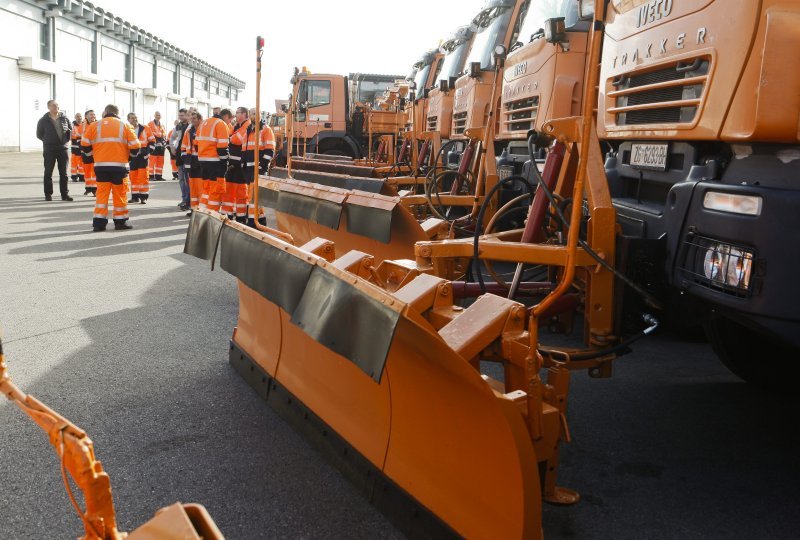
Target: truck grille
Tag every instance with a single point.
(459, 123)
(520, 115)
(433, 123)
(668, 95)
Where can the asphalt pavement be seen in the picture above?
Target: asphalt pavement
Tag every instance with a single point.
(128, 337)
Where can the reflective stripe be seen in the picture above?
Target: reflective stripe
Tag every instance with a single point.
(101, 216)
(208, 158)
(202, 138)
(98, 205)
(235, 158)
(123, 164)
(109, 140)
(87, 154)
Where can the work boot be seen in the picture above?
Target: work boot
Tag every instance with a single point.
(142, 201)
(98, 228)
(151, 178)
(81, 178)
(175, 175)
(133, 199)
(122, 226)
(160, 178)
(75, 176)
(66, 198)
(48, 197)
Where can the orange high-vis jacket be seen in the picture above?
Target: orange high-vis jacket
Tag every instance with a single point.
(156, 129)
(267, 138)
(77, 134)
(189, 148)
(237, 141)
(212, 140)
(109, 143)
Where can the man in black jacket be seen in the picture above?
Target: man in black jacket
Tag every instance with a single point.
(54, 131)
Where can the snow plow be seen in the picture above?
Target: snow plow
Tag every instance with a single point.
(76, 454)
(436, 394)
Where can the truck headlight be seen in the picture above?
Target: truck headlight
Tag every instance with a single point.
(749, 205)
(726, 265)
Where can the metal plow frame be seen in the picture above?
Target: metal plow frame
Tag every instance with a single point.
(375, 386)
(351, 218)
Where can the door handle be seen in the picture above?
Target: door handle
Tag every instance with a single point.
(328, 125)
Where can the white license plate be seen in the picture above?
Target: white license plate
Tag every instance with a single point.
(650, 156)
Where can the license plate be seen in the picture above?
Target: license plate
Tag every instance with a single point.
(652, 157)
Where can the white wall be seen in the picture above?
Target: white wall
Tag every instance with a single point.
(9, 94)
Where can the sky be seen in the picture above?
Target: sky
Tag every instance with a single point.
(326, 36)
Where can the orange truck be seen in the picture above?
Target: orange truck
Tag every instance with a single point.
(333, 116)
(439, 113)
(699, 106)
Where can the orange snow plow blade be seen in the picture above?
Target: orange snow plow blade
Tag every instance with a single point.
(381, 375)
(352, 218)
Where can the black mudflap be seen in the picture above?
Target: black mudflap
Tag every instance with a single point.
(403, 510)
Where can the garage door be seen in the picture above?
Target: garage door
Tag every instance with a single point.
(34, 92)
(124, 100)
(86, 97)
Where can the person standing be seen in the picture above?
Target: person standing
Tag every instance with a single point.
(172, 138)
(212, 153)
(235, 185)
(140, 186)
(109, 144)
(76, 163)
(156, 163)
(266, 151)
(191, 165)
(176, 150)
(54, 131)
(88, 168)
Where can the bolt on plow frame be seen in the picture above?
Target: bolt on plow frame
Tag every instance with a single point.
(380, 362)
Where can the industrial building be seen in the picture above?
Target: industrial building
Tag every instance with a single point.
(85, 57)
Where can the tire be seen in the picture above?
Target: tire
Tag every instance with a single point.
(753, 356)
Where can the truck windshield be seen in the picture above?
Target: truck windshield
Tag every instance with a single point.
(490, 33)
(422, 77)
(541, 10)
(455, 53)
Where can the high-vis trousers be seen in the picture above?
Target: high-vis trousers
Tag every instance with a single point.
(76, 166)
(174, 164)
(195, 186)
(236, 199)
(91, 179)
(119, 204)
(156, 165)
(140, 186)
(213, 173)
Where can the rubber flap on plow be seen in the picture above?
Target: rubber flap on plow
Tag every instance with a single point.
(352, 219)
(364, 375)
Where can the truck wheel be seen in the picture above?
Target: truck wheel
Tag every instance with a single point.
(333, 152)
(751, 355)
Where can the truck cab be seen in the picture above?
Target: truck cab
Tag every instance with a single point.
(700, 109)
(439, 113)
(330, 112)
(423, 77)
(497, 23)
(543, 76)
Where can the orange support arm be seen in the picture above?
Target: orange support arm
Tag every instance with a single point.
(76, 452)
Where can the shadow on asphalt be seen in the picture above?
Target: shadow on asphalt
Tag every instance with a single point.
(171, 421)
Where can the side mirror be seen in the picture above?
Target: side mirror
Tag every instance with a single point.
(555, 30)
(426, 93)
(284, 108)
(443, 85)
(475, 70)
(452, 82)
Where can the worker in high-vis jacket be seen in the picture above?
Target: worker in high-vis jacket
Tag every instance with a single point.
(140, 185)
(88, 168)
(235, 184)
(266, 151)
(191, 166)
(212, 154)
(156, 160)
(76, 163)
(109, 144)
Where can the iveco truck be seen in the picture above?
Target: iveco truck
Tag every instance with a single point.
(700, 106)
